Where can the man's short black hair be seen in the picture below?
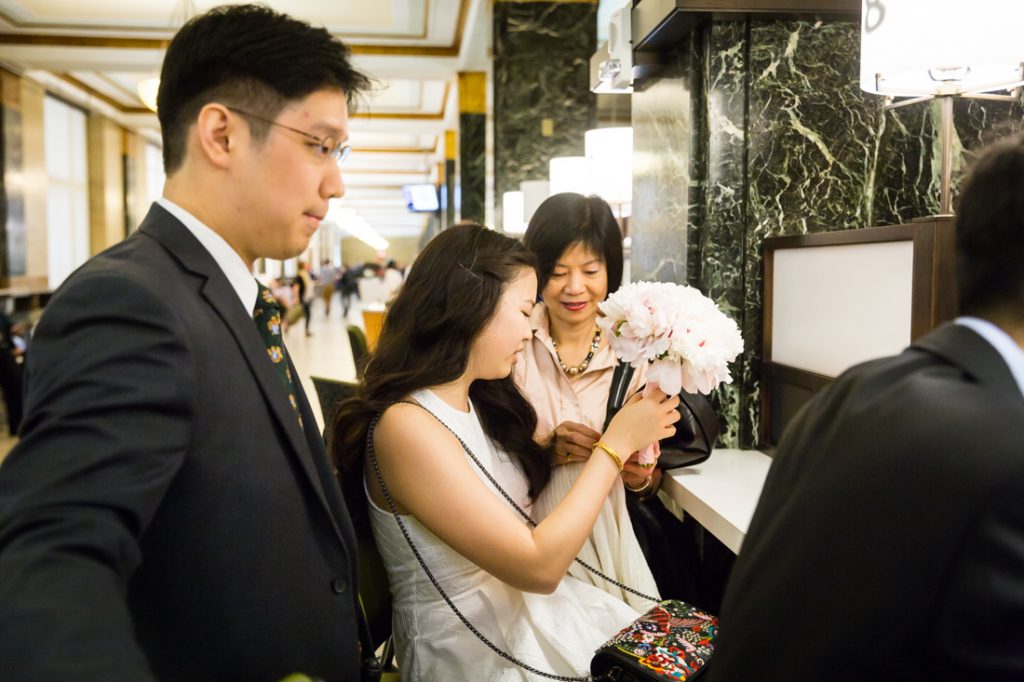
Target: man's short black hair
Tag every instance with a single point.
(249, 57)
(990, 233)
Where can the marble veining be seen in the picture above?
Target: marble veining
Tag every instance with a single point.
(541, 72)
(773, 136)
(472, 166)
(663, 192)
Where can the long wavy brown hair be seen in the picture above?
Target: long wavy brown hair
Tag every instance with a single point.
(449, 297)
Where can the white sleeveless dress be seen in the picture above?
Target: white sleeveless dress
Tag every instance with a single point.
(555, 633)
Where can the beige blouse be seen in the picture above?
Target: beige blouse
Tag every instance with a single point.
(554, 396)
(612, 546)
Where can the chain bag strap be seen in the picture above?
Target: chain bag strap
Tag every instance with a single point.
(408, 538)
(634, 650)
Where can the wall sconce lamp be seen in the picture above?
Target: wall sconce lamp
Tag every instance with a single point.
(569, 174)
(927, 49)
(512, 213)
(610, 154)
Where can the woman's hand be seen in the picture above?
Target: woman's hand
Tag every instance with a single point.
(635, 474)
(643, 484)
(642, 421)
(573, 442)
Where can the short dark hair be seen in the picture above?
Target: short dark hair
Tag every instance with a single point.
(249, 57)
(566, 219)
(990, 232)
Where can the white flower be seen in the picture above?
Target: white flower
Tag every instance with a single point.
(686, 339)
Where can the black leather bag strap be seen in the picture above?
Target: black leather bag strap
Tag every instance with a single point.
(696, 431)
(621, 377)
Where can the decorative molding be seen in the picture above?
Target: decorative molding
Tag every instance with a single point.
(103, 97)
(140, 43)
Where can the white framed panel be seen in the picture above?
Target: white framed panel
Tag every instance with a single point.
(836, 306)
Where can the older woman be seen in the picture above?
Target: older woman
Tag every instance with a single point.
(567, 369)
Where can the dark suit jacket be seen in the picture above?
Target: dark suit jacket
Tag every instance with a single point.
(888, 543)
(164, 515)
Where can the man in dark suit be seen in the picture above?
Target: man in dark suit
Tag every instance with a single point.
(170, 512)
(888, 542)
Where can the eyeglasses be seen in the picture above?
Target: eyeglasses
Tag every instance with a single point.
(323, 147)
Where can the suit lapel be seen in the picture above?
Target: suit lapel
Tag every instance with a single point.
(217, 291)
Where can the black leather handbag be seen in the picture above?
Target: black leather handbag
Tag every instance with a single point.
(696, 431)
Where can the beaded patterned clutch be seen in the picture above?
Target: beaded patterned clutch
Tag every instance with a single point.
(672, 641)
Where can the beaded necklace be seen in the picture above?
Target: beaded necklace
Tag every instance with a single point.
(578, 369)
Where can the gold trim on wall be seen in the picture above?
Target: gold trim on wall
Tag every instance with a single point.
(411, 116)
(472, 92)
(384, 171)
(103, 97)
(10, 90)
(392, 150)
(451, 147)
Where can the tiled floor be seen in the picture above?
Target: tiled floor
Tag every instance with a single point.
(326, 353)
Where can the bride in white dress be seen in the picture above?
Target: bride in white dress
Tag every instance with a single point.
(448, 343)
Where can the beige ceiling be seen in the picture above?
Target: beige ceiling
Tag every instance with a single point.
(96, 54)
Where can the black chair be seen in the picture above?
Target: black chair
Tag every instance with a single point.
(374, 592)
(331, 392)
(357, 340)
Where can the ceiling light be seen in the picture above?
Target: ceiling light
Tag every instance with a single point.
(148, 89)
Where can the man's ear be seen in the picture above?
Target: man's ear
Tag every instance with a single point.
(217, 134)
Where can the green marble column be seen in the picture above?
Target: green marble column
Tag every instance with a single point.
(450, 178)
(472, 145)
(764, 122)
(542, 99)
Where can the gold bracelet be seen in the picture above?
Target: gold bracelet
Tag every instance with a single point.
(611, 453)
(642, 489)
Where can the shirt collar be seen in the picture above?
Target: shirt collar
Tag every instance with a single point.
(541, 326)
(1012, 354)
(230, 263)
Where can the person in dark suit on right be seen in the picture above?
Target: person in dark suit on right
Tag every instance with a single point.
(888, 542)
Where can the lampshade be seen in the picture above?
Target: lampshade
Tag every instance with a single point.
(512, 213)
(534, 194)
(940, 47)
(610, 153)
(569, 174)
(148, 89)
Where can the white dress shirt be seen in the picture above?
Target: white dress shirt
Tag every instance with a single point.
(1002, 342)
(231, 264)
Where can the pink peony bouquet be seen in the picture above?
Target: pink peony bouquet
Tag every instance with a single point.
(680, 333)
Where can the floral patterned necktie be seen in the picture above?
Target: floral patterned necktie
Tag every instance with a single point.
(267, 315)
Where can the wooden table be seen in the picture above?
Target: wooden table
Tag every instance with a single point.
(722, 492)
